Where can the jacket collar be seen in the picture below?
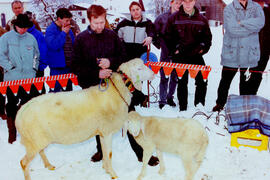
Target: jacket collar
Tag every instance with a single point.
(31, 29)
(92, 31)
(237, 4)
(131, 19)
(182, 12)
(19, 35)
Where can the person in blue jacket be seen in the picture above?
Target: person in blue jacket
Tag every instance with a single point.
(42, 46)
(60, 39)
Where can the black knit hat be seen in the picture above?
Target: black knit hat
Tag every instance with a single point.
(22, 21)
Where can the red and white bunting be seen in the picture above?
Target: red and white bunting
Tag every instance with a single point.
(38, 82)
(180, 69)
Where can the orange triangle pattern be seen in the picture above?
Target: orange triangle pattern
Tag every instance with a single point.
(193, 73)
(155, 69)
(167, 70)
(39, 85)
(180, 72)
(3, 89)
(63, 82)
(38, 82)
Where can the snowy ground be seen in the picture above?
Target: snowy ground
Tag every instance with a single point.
(222, 162)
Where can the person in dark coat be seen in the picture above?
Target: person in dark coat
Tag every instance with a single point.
(255, 79)
(136, 32)
(188, 39)
(97, 52)
(165, 94)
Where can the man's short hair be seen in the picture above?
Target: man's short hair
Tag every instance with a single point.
(96, 11)
(15, 2)
(134, 3)
(63, 13)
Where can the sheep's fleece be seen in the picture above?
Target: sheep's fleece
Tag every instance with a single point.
(72, 117)
(184, 137)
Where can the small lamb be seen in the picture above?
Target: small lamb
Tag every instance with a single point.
(184, 137)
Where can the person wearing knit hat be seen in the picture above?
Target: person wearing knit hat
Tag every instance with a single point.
(19, 57)
(22, 21)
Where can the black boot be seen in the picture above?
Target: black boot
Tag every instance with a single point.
(170, 102)
(218, 108)
(12, 133)
(98, 155)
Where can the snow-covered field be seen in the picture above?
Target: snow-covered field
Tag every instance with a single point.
(222, 162)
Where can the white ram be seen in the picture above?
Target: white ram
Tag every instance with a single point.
(73, 117)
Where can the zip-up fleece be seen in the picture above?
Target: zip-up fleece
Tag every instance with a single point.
(133, 34)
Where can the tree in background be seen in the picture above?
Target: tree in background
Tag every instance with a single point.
(45, 10)
(159, 6)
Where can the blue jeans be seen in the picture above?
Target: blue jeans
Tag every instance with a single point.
(164, 93)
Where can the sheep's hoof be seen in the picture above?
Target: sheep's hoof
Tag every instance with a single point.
(161, 171)
(50, 167)
(22, 165)
(115, 177)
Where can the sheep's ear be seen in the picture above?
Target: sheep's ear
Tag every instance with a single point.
(134, 127)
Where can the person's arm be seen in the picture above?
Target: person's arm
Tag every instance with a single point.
(171, 38)
(36, 54)
(206, 39)
(81, 67)
(119, 54)
(5, 63)
(119, 30)
(54, 39)
(43, 53)
(158, 26)
(236, 27)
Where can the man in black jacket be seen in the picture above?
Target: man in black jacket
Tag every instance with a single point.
(97, 52)
(188, 38)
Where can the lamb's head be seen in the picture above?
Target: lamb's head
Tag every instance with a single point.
(137, 72)
(134, 123)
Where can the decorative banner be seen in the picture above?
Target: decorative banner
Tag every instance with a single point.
(38, 82)
(180, 69)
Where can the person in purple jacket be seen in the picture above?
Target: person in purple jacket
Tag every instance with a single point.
(60, 38)
(165, 94)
